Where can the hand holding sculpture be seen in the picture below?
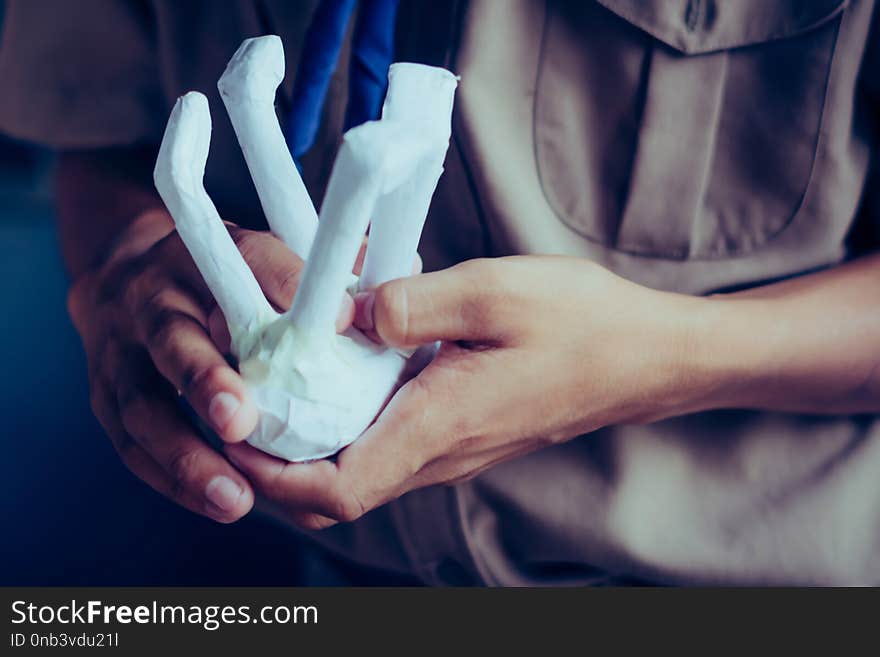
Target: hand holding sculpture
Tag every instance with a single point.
(142, 313)
(535, 351)
(316, 390)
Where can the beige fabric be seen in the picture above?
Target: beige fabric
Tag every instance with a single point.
(690, 145)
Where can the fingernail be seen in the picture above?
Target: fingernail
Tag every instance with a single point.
(223, 408)
(223, 493)
(363, 310)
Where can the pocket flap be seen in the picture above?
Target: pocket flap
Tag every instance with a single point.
(702, 26)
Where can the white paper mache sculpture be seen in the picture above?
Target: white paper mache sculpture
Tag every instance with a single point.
(317, 391)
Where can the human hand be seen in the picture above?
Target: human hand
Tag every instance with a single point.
(144, 318)
(536, 350)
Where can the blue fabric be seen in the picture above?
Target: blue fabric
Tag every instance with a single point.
(317, 63)
(372, 54)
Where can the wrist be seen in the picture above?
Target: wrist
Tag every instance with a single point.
(725, 364)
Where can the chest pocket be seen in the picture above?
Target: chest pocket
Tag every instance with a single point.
(682, 129)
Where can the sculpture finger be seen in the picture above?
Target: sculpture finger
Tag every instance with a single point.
(419, 97)
(248, 87)
(374, 158)
(178, 176)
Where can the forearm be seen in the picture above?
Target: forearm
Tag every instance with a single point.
(809, 344)
(102, 194)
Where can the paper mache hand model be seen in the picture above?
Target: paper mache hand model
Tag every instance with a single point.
(317, 391)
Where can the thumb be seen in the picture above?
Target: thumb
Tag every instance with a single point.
(452, 304)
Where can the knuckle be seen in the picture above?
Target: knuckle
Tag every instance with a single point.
(482, 271)
(183, 466)
(250, 243)
(476, 312)
(234, 230)
(136, 286)
(163, 331)
(169, 247)
(486, 284)
(271, 483)
(347, 507)
(157, 315)
(289, 281)
(112, 279)
(391, 313)
(197, 378)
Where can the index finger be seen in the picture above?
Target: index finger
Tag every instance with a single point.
(279, 270)
(174, 329)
